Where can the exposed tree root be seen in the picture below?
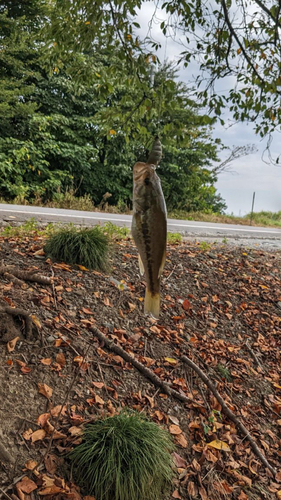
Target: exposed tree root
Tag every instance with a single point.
(166, 388)
(20, 276)
(229, 413)
(16, 311)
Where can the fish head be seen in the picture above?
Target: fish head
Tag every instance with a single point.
(146, 182)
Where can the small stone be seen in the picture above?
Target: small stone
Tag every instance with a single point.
(51, 338)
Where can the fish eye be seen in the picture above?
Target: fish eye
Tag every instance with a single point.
(146, 181)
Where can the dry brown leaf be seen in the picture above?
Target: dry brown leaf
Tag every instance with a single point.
(31, 464)
(51, 490)
(99, 385)
(38, 435)
(58, 409)
(175, 429)
(75, 431)
(181, 440)
(42, 419)
(60, 358)
(36, 321)
(45, 390)
(242, 496)
(178, 460)
(176, 494)
(26, 485)
(27, 434)
(192, 489)
(99, 400)
(46, 361)
(12, 344)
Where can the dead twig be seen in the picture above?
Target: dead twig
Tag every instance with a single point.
(229, 413)
(53, 288)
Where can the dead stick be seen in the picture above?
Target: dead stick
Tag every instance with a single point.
(254, 355)
(166, 388)
(229, 413)
(26, 275)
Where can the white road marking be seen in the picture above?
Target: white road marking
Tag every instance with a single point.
(186, 225)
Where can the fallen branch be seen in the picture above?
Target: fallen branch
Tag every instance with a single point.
(229, 413)
(16, 311)
(166, 388)
(11, 271)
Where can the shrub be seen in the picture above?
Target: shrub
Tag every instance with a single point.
(86, 247)
(124, 457)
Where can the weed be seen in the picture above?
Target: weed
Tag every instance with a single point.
(224, 372)
(174, 238)
(25, 229)
(124, 457)
(87, 247)
(116, 232)
(224, 240)
(204, 246)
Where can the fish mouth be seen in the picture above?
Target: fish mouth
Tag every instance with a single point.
(143, 172)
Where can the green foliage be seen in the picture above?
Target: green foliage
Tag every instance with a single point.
(174, 238)
(204, 246)
(227, 38)
(224, 372)
(124, 457)
(116, 232)
(86, 247)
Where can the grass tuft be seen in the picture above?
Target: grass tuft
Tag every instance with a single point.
(86, 247)
(124, 457)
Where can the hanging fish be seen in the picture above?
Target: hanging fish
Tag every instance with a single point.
(149, 226)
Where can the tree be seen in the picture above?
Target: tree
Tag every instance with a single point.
(228, 38)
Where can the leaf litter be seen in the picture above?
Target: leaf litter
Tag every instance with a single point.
(221, 308)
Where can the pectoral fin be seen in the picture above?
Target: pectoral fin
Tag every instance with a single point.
(162, 264)
(141, 266)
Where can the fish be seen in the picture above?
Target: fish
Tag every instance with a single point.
(149, 226)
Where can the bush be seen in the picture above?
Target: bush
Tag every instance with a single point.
(86, 247)
(124, 457)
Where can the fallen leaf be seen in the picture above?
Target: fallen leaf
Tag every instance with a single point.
(99, 385)
(178, 460)
(99, 400)
(51, 490)
(46, 361)
(186, 305)
(26, 485)
(27, 434)
(219, 445)
(176, 494)
(45, 390)
(181, 440)
(60, 358)
(192, 489)
(171, 361)
(87, 311)
(12, 344)
(38, 435)
(175, 429)
(82, 268)
(36, 321)
(42, 419)
(75, 431)
(30, 464)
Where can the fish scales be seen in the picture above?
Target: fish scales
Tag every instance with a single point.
(149, 230)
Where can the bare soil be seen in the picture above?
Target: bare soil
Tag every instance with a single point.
(220, 306)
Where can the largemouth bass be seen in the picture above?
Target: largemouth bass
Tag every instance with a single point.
(149, 228)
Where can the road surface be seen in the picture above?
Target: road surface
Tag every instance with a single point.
(267, 236)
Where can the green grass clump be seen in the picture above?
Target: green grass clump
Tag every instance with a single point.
(124, 457)
(87, 247)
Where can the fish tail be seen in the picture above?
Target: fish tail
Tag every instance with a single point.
(152, 303)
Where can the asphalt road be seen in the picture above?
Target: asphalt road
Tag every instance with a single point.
(193, 229)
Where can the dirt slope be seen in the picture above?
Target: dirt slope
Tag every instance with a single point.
(221, 307)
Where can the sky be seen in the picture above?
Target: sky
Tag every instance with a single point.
(249, 174)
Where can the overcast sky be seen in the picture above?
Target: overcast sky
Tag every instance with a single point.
(251, 173)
